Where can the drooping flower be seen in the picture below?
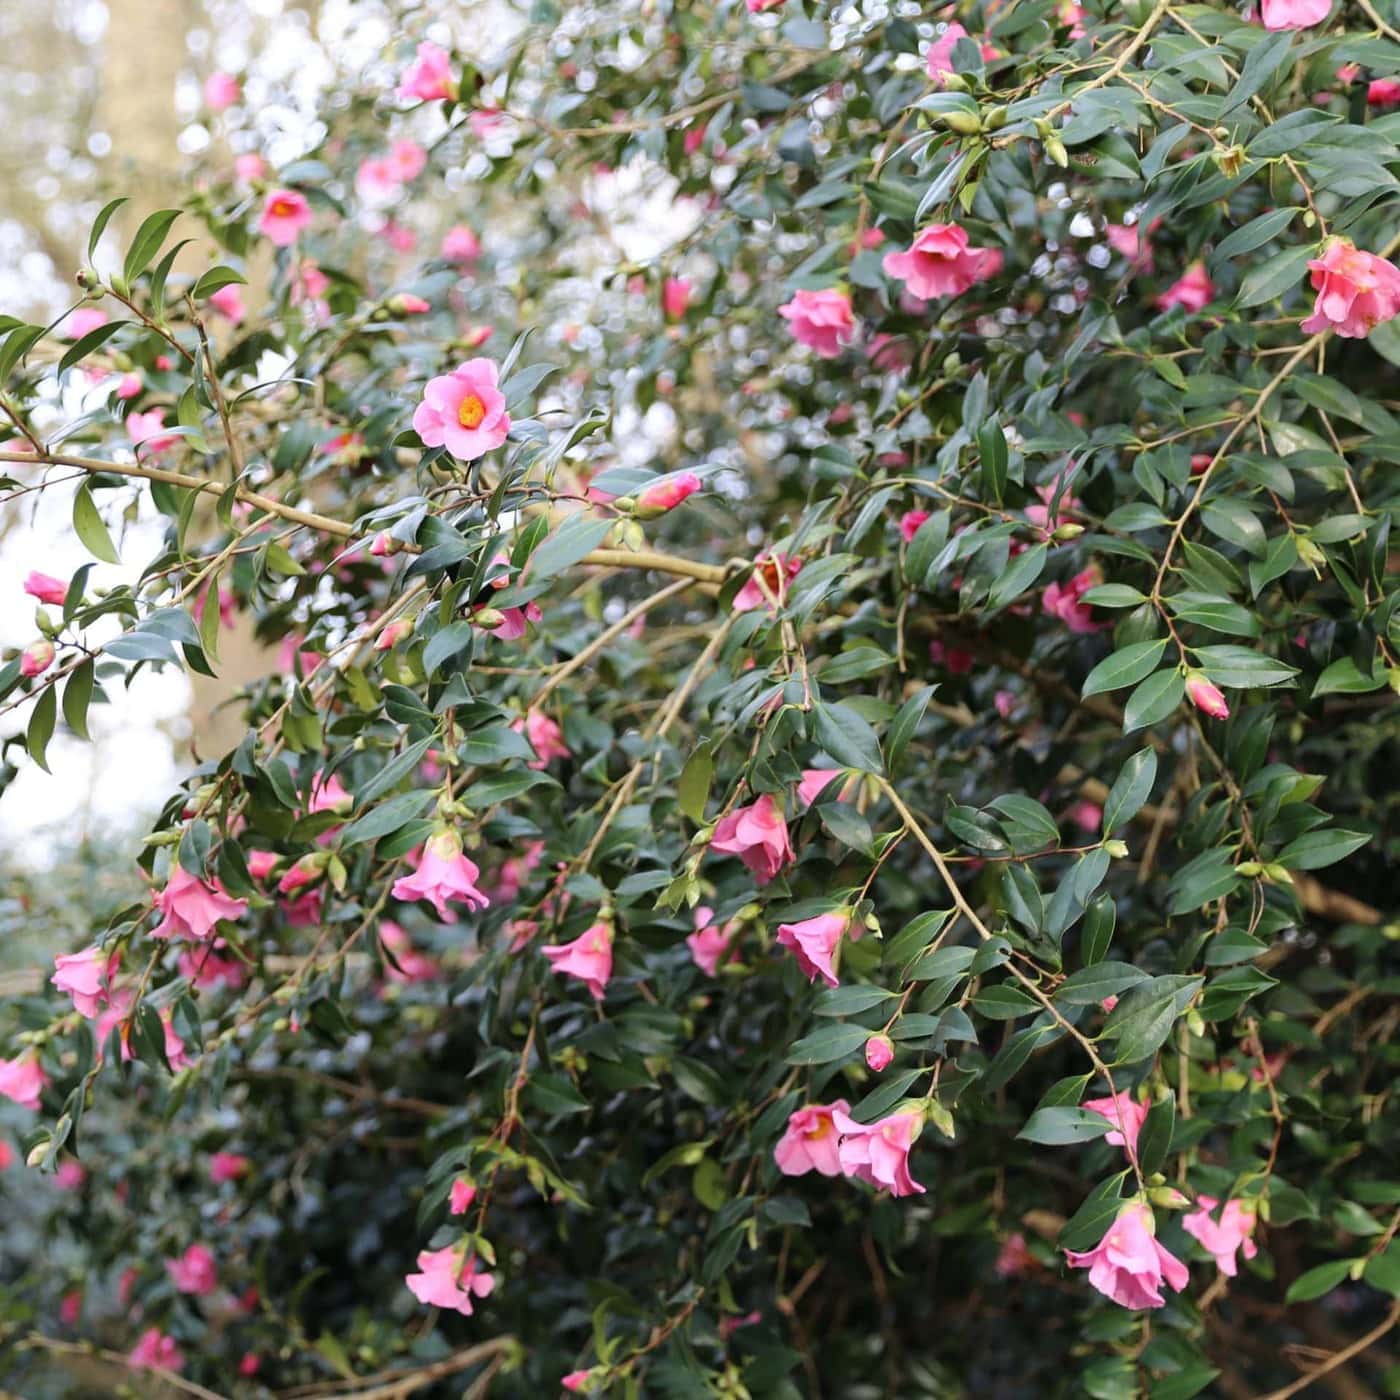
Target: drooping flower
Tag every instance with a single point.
(675, 297)
(285, 215)
(811, 1141)
(86, 977)
(36, 658)
(665, 495)
(771, 575)
(879, 1052)
(1131, 241)
(822, 320)
(878, 1152)
(1065, 601)
(46, 588)
(227, 1166)
(1293, 14)
(23, 1079)
(460, 244)
(221, 91)
(910, 523)
(545, 736)
(190, 907)
(1128, 1265)
(429, 78)
(818, 783)
(464, 411)
(206, 966)
(154, 1351)
(1192, 290)
(1206, 696)
(814, 941)
(1356, 291)
(589, 957)
(709, 943)
(228, 302)
(1223, 1237)
(448, 1279)
(406, 964)
(443, 873)
(939, 262)
(1126, 1113)
(462, 1195)
(329, 795)
(758, 835)
(194, 1271)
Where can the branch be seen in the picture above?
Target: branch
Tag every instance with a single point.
(1338, 1358)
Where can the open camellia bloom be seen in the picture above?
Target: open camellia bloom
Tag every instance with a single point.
(429, 78)
(1356, 290)
(286, 215)
(1293, 14)
(221, 91)
(758, 835)
(589, 957)
(811, 1141)
(709, 943)
(939, 59)
(443, 873)
(155, 1351)
(464, 411)
(46, 588)
(1191, 291)
(460, 245)
(191, 908)
(194, 1271)
(768, 583)
(878, 1152)
(815, 942)
(449, 1278)
(1126, 1113)
(1128, 1265)
(1226, 1235)
(22, 1079)
(940, 262)
(86, 977)
(545, 736)
(821, 320)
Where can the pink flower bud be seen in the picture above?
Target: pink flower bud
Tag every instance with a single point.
(879, 1051)
(406, 304)
(1207, 697)
(37, 658)
(665, 495)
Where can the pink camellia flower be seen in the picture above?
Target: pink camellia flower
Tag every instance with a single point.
(442, 873)
(1293, 14)
(910, 523)
(148, 430)
(1005, 702)
(1224, 1236)
(462, 1196)
(811, 1142)
(958, 660)
(460, 245)
(1127, 1113)
(1086, 815)
(46, 588)
(577, 1382)
(1128, 1265)
(154, 1351)
(194, 1271)
(1108, 1003)
(1013, 1257)
(7, 1156)
(814, 941)
(709, 943)
(771, 575)
(1200, 461)
(227, 1166)
(83, 321)
(249, 1364)
(36, 658)
(221, 91)
(665, 495)
(70, 1175)
(377, 180)
(509, 624)
(464, 411)
(429, 77)
(757, 7)
(449, 1280)
(129, 386)
(1038, 512)
(815, 783)
(1206, 697)
(1356, 291)
(70, 1307)
(207, 967)
(1192, 290)
(329, 795)
(891, 354)
(822, 320)
(879, 1052)
(1383, 92)
(758, 835)
(1065, 601)
(261, 864)
(248, 167)
(545, 736)
(408, 964)
(190, 907)
(393, 634)
(939, 59)
(86, 977)
(408, 160)
(285, 215)
(675, 297)
(228, 302)
(301, 873)
(23, 1079)
(1130, 240)
(589, 957)
(939, 262)
(878, 1152)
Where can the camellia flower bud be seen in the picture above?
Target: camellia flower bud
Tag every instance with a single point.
(964, 123)
(489, 618)
(1116, 849)
(665, 495)
(1168, 1197)
(37, 658)
(1068, 531)
(1206, 696)
(879, 1051)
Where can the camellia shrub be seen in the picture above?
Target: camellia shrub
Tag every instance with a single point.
(816, 817)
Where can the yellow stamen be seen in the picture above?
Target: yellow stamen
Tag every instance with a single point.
(471, 411)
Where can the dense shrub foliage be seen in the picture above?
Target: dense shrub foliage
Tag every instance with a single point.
(817, 814)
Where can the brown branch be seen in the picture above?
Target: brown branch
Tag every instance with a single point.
(1338, 1358)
